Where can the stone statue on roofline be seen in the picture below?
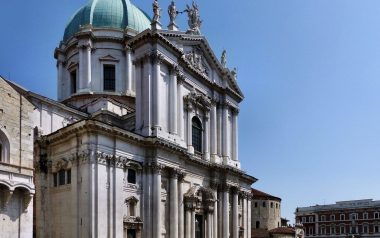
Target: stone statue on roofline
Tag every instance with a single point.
(194, 19)
(234, 72)
(223, 59)
(172, 11)
(156, 11)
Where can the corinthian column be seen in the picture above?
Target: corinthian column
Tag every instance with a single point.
(207, 138)
(174, 204)
(181, 127)
(181, 208)
(226, 213)
(235, 214)
(188, 223)
(225, 133)
(128, 66)
(60, 83)
(209, 224)
(213, 130)
(249, 224)
(234, 135)
(245, 215)
(157, 59)
(157, 168)
(189, 129)
(173, 101)
(214, 186)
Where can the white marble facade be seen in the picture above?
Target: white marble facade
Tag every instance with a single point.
(143, 141)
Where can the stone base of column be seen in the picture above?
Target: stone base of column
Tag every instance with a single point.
(190, 149)
(130, 93)
(206, 156)
(216, 159)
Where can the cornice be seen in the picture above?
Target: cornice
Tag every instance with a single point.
(91, 125)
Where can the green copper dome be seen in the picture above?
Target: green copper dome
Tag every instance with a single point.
(116, 14)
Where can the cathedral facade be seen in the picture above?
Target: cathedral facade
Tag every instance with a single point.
(143, 141)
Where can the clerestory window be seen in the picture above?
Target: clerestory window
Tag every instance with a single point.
(197, 134)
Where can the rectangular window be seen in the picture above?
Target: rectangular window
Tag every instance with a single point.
(73, 81)
(61, 177)
(365, 229)
(311, 219)
(332, 217)
(131, 176)
(109, 76)
(303, 219)
(55, 179)
(311, 231)
(255, 204)
(376, 229)
(342, 217)
(365, 215)
(271, 205)
(332, 230)
(69, 176)
(323, 218)
(376, 215)
(342, 230)
(264, 204)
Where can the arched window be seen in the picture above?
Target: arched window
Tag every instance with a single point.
(4, 148)
(257, 224)
(197, 134)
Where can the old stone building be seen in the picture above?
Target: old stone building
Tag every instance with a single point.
(355, 218)
(142, 143)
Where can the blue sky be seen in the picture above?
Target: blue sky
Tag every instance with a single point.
(310, 71)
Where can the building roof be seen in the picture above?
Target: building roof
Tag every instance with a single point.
(283, 230)
(353, 204)
(114, 14)
(257, 194)
(259, 233)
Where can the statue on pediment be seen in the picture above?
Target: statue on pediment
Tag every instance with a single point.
(223, 59)
(172, 11)
(194, 19)
(156, 11)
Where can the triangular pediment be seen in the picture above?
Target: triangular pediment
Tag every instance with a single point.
(197, 54)
(108, 58)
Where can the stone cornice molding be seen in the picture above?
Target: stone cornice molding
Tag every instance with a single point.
(90, 125)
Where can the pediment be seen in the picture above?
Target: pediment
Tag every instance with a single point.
(109, 58)
(195, 52)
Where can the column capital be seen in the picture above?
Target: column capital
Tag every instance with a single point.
(86, 45)
(176, 173)
(174, 69)
(235, 190)
(214, 185)
(180, 77)
(127, 49)
(156, 58)
(157, 167)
